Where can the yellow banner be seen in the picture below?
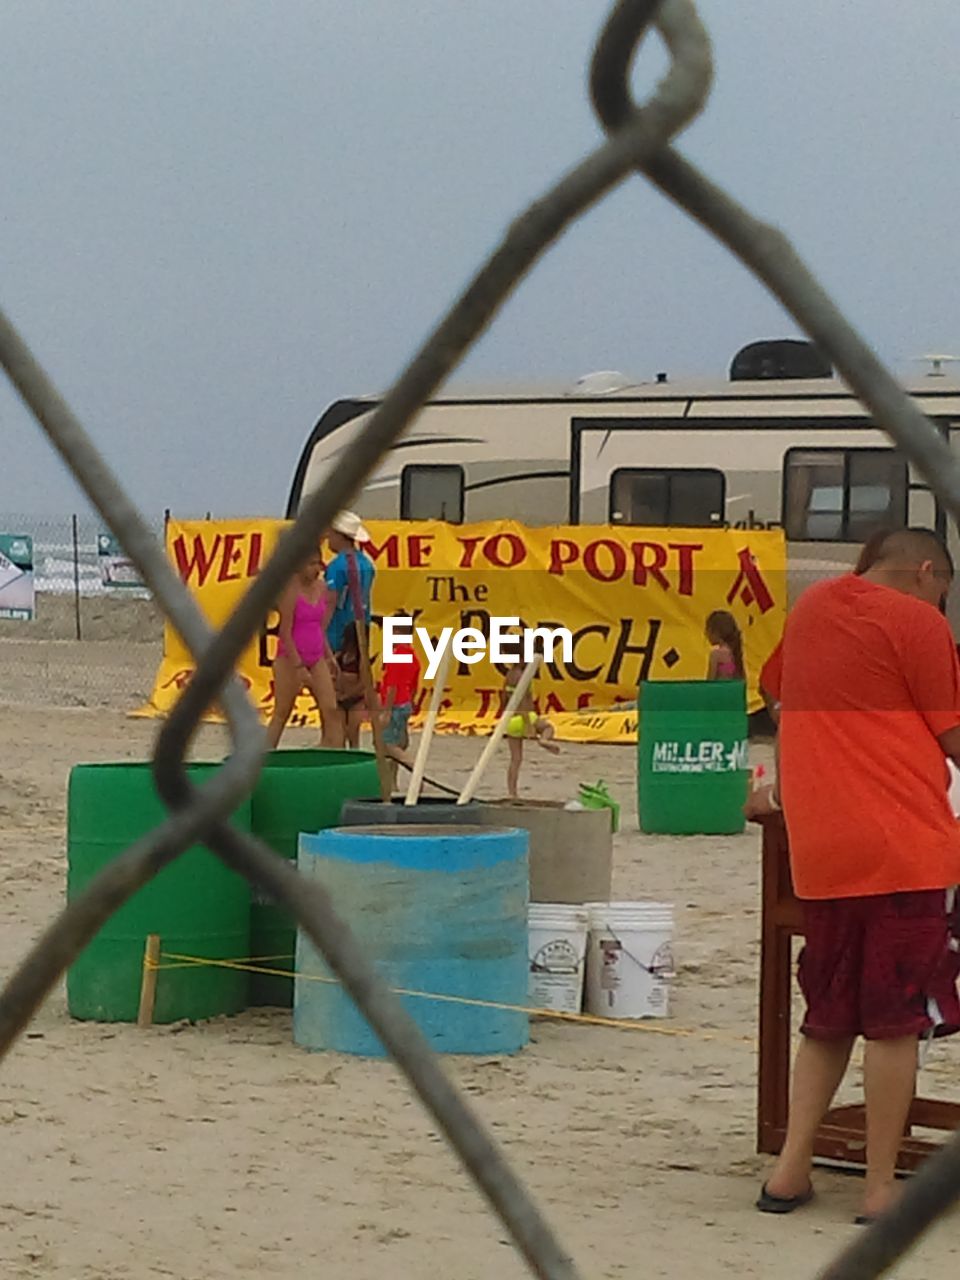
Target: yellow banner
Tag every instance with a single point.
(636, 601)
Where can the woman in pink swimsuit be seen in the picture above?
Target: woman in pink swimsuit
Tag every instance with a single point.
(726, 652)
(303, 659)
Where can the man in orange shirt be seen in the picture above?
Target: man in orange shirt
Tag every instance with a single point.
(869, 692)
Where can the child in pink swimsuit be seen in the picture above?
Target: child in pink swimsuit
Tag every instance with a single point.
(303, 659)
(726, 652)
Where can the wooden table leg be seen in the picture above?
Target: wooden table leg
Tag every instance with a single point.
(842, 1137)
(774, 1064)
(779, 920)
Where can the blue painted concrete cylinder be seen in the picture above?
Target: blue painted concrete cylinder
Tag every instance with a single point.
(441, 910)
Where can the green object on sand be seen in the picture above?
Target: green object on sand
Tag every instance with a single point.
(197, 905)
(298, 790)
(597, 796)
(692, 775)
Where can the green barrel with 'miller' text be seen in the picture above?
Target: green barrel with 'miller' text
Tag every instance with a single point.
(692, 768)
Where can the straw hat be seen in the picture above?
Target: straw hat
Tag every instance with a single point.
(349, 524)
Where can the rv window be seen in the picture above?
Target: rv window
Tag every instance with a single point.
(644, 496)
(432, 493)
(842, 495)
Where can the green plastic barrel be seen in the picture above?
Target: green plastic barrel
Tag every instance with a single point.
(692, 775)
(300, 790)
(197, 906)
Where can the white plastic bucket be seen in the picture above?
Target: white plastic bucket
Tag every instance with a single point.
(557, 949)
(630, 959)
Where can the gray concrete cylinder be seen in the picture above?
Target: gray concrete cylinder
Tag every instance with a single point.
(371, 813)
(571, 850)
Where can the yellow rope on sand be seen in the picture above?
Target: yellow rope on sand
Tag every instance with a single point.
(585, 1019)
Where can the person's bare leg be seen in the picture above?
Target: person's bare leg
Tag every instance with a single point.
(392, 771)
(334, 730)
(817, 1072)
(286, 686)
(889, 1083)
(354, 721)
(545, 736)
(324, 695)
(513, 768)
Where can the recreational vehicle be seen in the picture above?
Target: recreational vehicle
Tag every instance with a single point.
(781, 443)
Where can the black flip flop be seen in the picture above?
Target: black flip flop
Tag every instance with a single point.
(769, 1203)
(864, 1219)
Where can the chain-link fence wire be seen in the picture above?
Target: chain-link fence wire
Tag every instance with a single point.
(638, 138)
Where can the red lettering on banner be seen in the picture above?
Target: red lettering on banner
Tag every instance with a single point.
(179, 680)
(642, 568)
(685, 553)
(563, 552)
(420, 549)
(231, 554)
(200, 562)
(469, 546)
(607, 560)
(390, 549)
(255, 554)
(618, 557)
(517, 551)
(749, 583)
(234, 555)
(488, 699)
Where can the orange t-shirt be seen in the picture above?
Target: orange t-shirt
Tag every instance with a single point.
(869, 678)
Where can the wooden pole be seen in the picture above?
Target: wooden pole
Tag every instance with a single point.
(426, 737)
(509, 711)
(148, 983)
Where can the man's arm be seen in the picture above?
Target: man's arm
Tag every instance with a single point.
(770, 677)
(933, 678)
(335, 578)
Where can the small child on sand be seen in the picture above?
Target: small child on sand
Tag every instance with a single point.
(398, 687)
(525, 724)
(726, 653)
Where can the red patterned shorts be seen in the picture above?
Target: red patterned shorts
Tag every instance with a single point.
(882, 968)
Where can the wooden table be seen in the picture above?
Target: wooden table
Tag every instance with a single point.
(842, 1135)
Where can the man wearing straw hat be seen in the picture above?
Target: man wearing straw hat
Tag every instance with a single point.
(869, 690)
(349, 577)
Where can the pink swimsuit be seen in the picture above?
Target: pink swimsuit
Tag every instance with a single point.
(726, 666)
(308, 634)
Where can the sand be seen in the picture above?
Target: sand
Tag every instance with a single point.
(222, 1150)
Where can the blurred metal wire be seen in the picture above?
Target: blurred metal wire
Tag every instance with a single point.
(638, 138)
(199, 813)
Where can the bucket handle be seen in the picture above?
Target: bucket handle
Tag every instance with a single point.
(655, 971)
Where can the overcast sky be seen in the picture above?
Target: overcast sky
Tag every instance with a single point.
(218, 216)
